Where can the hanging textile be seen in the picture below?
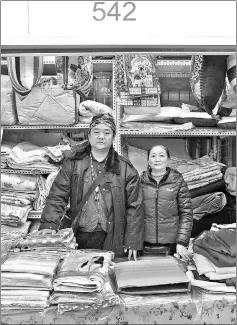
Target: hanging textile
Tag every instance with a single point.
(25, 72)
(75, 72)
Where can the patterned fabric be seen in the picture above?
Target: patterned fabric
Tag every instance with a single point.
(231, 71)
(207, 79)
(106, 119)
(75, 72)
(136, 80)
(25, 72)
(201, 307)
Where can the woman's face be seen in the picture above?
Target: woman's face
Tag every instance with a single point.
(158, 159)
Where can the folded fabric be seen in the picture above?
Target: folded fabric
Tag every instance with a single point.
(204, 265)
(15, 213)
(207, 204)
(56, 153)
(216, 186)
(157, 127)
(215, 276)
(219, 251)
(210, 286)
(201, 184)
(21, 230)
(18, 182)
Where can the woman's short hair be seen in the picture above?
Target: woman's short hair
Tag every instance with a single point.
(159, 145)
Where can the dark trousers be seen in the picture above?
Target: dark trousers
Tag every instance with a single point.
(91, 240)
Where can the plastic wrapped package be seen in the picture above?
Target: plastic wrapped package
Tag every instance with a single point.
(8, 106)
(48, 105)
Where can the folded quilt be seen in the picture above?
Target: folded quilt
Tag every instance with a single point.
(45, 98)
(56, 153)
(22, 230)
(90, 108)
(18, 182)
(207, 179)
(42, 263)
(157, 127)
(11, 279)
(14, 213)
(64, 238)
(201, 184)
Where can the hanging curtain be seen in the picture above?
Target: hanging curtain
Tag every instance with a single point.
(75, 72)
(25, 72)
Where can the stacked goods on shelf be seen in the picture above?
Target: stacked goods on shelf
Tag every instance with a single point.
(8, 106)
(89, 108)
(62, 241)
(82, 282)
(6, 148)
(215, 259)
(26, 281)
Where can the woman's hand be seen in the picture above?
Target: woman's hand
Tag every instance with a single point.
(131, 252)
(44, 232)
(182, 252)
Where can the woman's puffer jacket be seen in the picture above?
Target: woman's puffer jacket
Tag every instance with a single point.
(167, 208)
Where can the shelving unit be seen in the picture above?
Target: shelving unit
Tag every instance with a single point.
(169, 65)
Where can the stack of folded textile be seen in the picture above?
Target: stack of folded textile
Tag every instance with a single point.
(90, 108)
(199, 172)
(215, 259)
(27, 156)
(62, 241)
(56, 153)
(26, 280)
(6, 148)
(82, 282)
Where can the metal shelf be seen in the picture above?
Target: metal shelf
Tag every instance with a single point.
(22, 171)
(34, 214)
(44, 127)
(197, 132)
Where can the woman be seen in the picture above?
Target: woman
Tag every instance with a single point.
(167, 204)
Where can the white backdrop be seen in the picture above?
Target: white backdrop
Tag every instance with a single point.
(157, 22)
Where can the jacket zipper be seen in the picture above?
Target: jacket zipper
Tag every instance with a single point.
(157, 214)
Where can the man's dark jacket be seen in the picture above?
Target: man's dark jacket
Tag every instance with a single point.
(126, 224)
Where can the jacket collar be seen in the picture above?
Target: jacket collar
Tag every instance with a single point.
(112, 163)
(146, 176)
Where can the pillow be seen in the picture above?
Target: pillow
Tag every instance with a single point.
(207, 79)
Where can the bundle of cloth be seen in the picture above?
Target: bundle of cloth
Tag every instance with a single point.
(90, 108)
(215, 259)
(199, 172)
(62, 241)
(6, 148)
(26, 281)
(27, 156)
(82, 281)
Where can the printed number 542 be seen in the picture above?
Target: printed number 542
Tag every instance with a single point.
(114, 11)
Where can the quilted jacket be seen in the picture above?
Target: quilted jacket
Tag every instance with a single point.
(167, 209)
(126, 223)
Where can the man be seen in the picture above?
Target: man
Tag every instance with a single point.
(112, 217)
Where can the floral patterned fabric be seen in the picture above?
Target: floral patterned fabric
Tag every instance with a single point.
(198, 308)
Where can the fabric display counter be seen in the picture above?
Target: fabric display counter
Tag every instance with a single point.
(46, 281)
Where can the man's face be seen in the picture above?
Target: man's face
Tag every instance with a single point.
(101, 137)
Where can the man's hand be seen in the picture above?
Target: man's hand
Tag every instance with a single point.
(131, 252)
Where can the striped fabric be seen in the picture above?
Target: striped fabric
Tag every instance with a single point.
(75, 72)
(231, 71)
(25, 72)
